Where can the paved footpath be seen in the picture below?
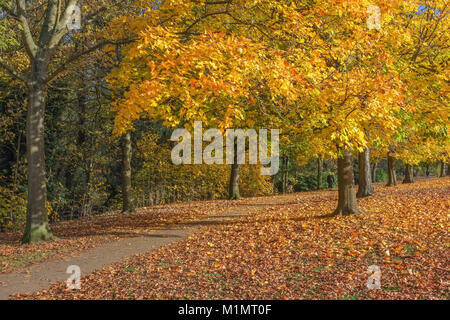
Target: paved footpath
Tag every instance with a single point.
(40, 276)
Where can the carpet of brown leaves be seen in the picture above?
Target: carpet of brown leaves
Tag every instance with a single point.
(289, 249)
(77, 235)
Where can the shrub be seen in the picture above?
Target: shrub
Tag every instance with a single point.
(13, 210)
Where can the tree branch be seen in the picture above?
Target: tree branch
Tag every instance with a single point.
(30, 45)
(78, 55)
(61, 27)
(12, 72)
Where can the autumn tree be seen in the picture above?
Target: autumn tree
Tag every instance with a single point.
(353, 86)
(201, 66)
(422, 58)
(365, 187)
(42, 43)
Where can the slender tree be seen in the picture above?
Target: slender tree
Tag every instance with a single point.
(127, 201)
(392, 176)
(374, 172)
(319, 172)
(365, 187)
(442, 169)
(409, 174)
(234, 177)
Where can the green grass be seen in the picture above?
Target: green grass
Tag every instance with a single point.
(352, 297)
(24, 260)
(130, 269)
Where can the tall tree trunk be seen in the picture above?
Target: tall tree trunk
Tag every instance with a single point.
(274, 185)
(409, 174)
(365, 187)
(392, 177)
(448, 169)
(127, 204)
(234, 182)
(37, 227)
(374, 172)
(319, 172)
(346, 184)
(285, 176)
(442, 173)
(233, 188)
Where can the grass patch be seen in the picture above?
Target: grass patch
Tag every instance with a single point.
(350, 297)
(130, 269)
(21, 261)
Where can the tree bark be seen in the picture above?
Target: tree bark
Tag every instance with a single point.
(16, 165)
(127, 194)
(365, 187)
(346, 186)
(442, 173)
(234, 182)
(374, 172)
(37, 227)
(285, 176)
(319, 172)
(392, 177)
(448, 169)
(233, 188)
(409, 174)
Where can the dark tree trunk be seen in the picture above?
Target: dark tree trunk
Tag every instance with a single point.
(442, 173)
(37, 227)
(234, 182)
(81, 97)
(127, 205)
(233, 188)
(409, 174)
(448, 169)
(285, 176)
(374, 172)
(392, 177)
(274, 185)
(347, 195)
(319, 172)
(365, 187)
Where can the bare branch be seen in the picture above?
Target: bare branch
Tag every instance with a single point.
(48, 28)
(61, 27)
(87, 51)
(12, 72)
(29, 43)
